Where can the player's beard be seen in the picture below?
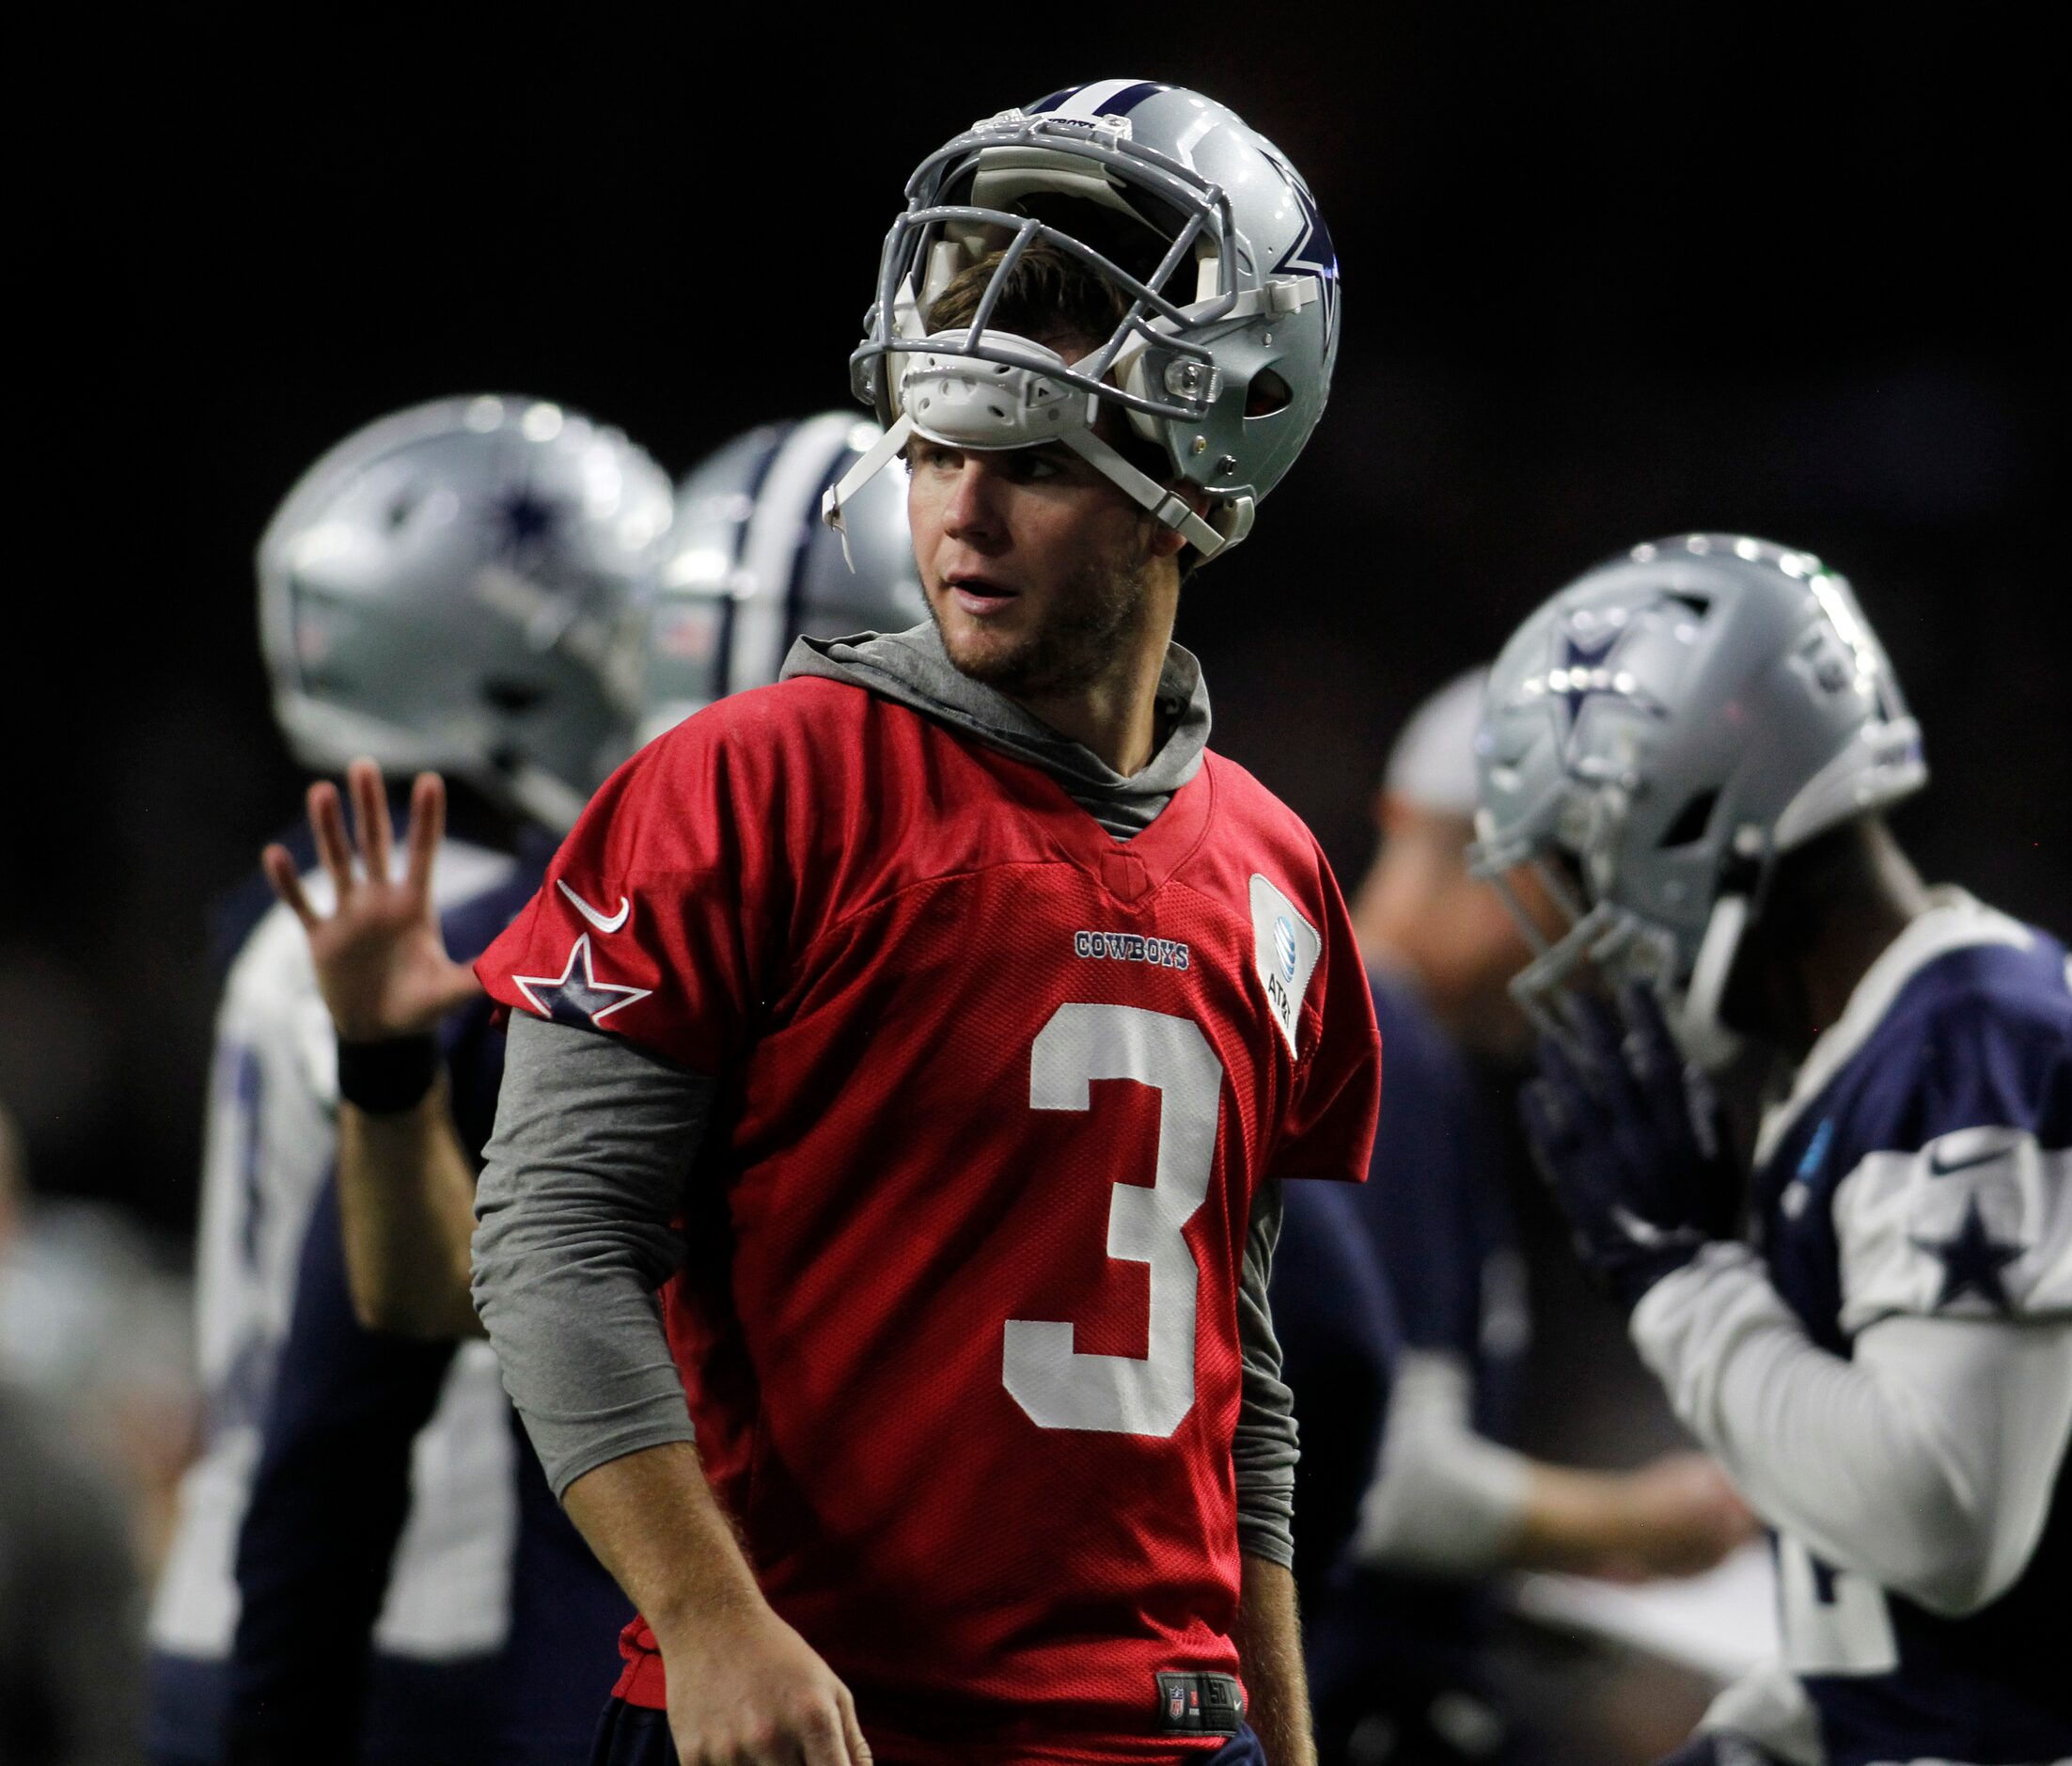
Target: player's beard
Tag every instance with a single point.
(1083, 637)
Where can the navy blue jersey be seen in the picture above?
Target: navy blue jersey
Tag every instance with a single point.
(1919, 1168)
(1440, 1245)
(1435, 1208)
(1339, 1336)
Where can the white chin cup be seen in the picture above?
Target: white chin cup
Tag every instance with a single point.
(962, 401)
(986, 404)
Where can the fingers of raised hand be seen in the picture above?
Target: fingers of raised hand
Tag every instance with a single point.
(279, 865)
(363, 779)
(327, 828)
(427, 829)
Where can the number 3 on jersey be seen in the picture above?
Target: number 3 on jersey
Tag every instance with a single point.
(1128, 1394)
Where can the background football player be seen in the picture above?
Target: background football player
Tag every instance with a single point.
(1691, 747)
(1396, 1632)
(873, 949)
(749, 568)
(449, 587)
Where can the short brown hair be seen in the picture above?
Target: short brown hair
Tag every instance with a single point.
(1048, 294)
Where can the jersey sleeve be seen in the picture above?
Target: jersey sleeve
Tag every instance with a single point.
(660, 917)
(1329, 1128)
(1962, 1207)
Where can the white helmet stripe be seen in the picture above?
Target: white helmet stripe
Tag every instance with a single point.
(764, 629)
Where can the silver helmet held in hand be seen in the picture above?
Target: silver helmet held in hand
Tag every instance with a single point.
(457, 586)
(750, 567)
(1658, 734)
(1222, 265)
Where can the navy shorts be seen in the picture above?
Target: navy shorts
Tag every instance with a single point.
(631, 1735)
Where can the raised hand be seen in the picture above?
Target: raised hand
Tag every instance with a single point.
(381, 960)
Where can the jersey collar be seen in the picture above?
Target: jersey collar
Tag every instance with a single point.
(1954, 921)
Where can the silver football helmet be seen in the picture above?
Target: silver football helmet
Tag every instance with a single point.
(750, 567)
(1223, 357)
(455, 587)
(1658, 734)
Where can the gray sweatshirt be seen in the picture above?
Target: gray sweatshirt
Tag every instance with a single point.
(595, 1140)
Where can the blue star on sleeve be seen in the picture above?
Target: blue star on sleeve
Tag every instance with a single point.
(1971, 1262)
(568, 999)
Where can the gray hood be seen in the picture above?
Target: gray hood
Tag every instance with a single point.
(912, 669)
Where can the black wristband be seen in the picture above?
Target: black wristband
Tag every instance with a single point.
(387, 1077)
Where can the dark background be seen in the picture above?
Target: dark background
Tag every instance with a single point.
(1610, 272)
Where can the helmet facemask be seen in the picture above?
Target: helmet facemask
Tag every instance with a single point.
(1601, 942)
(1157, 231)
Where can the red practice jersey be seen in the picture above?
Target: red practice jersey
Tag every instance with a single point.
(997, 1089)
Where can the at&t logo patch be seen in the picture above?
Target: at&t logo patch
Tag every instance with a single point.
(1285, 948)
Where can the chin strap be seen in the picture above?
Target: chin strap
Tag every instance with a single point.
(881, 455)
(1704, 1038)
(1168, 508)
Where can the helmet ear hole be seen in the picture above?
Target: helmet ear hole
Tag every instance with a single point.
(1267, 393)
(1692, 821)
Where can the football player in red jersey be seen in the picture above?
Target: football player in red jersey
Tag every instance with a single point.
(934, 1027)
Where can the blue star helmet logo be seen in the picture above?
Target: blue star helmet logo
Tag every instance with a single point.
(520, 523)
(1586, 668)
(1312, 253)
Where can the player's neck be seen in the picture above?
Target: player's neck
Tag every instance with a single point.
(1115, 715)
(1849, 933)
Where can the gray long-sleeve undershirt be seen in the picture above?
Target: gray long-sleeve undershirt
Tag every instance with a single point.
(581, 1184)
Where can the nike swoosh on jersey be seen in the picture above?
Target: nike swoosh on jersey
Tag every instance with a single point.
(604, 922)
(1940, 1167)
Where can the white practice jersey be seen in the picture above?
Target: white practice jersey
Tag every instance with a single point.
(270, 1146)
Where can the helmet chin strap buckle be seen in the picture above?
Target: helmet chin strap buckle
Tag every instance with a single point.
(881, 454)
